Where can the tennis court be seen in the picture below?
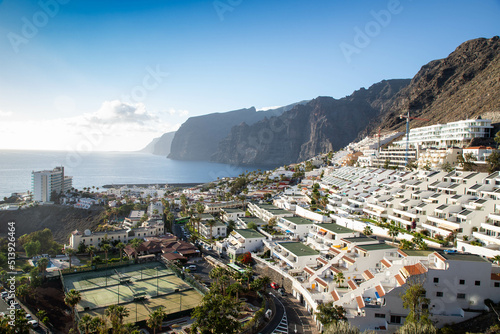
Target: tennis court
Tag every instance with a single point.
(140, 288)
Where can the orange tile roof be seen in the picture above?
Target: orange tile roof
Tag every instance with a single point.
(386, 263)
(336, 270)
(348, 259)
(439, 256)
(308, 270)
(400, 279)
(335, 295)
(416, 269)
(380, 290)
(352, 285)
(335, 250)
(321, 282)
(361, 302)
(400, 251)
(368, 275)
(495, 277)
(322, 260)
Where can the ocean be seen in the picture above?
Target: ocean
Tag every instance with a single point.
(101, 168)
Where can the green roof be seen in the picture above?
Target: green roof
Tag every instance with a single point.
(462, 257)
(361, 238)
(298, 248)
(299, 220)
(374, 247)
(415, 252)
(273, 209)
(255, 220)
(249, 233)
(335, 228)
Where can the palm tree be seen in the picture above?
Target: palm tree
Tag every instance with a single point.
(69, 253)
(135, 243)
(105, 248)
(235, 289)
(42, 264)
(367, 231)
(156, 318)
(120, 246)
(116, 314)
(98, 325)
(339, 279)
(496, 258)
(393, 232)
(72, 298)
(91, 250)
(247, 274)
(85, 323)
(211, 223)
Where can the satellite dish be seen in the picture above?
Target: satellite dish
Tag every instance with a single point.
(87, 232)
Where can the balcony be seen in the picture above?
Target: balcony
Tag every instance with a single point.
(488, 239)
(492, 226)
(494, 216)
(411, 213)
(401, 220)
(437, 229)
(446, 223)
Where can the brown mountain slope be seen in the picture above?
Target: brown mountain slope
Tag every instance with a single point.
(464, 85)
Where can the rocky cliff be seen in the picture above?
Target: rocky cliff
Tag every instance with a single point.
(466, 84)
(198, 137)
(160, 145)
(321, 125)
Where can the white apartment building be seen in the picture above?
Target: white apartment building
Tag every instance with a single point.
(228, 214)
(436, 158)
(44, 182)
(218, 229)
(295, 226)
(480, 153)
(449, 134)
(124, 235)
(268, 211)
(241, 241)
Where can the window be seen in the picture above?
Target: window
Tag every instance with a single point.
(460, 295)
(395, 319)
(497, 284)
(461, 282)
(436, 279)
(379, 315)
(439, 294)
(477, 283)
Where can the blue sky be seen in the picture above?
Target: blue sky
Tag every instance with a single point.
(123, 72)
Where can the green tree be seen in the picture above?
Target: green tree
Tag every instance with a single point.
(466, 161)
(42, 265)
(91, 250)
(496, 258)
(339, 278)
(211, 223)
(367, 231)
(155, 319)
(341, 327)
(106, 248)
(69, 253)
(42, 316)
(116, 314)
(493, 161)
(252, 226)
(32, 248)
(85, 323)
(72, 298)
(414, 299)
(21, 324)
(387, 163)
(328, 313)
(393, 232)
(120, 246)
(216, 314)
(405, 244)
(135, 244)
(417, 328)
(447, 167)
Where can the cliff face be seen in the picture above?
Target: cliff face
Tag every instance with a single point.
(198, 137)
(321, 125)
(464, 85)
(160, 145)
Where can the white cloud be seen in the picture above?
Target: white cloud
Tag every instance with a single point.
(6, 113)
(115, 126)
(180, 112)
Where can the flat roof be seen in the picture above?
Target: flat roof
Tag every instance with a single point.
(335, 228)
(415, 252)
(361, 238)
(462, 257)
(298, 248)
(249, 233)
(373, 247)
(231, 210)
(255, 220)
(299, 220)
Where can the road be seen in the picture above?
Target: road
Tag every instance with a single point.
(3, 308)
(276, 324)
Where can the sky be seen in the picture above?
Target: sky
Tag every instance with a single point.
(95, 75)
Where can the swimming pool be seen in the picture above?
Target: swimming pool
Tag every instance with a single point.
(51, 265)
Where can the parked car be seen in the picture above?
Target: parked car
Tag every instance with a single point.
(282, 291)
(33, 323)
(274, 285)
(5, 294)
(192, 267)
